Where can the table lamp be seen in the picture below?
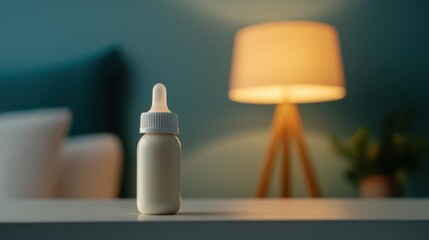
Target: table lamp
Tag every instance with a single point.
(286, 63)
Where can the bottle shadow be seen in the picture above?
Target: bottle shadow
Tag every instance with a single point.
(184, 216)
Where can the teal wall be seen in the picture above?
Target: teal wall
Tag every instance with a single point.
(187, 45)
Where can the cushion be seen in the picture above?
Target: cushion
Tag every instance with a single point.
(89, 87)
(30, 145)
(90, 167)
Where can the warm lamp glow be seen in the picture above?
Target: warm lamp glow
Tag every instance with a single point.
(286, 62)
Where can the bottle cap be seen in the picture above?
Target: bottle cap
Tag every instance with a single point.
(159, 119)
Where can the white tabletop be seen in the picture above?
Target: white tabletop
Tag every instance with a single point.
(226, 218)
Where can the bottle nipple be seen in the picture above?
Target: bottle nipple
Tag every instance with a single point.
(159, 119)
(159, 99)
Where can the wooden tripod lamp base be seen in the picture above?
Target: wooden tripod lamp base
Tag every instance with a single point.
(287, 127)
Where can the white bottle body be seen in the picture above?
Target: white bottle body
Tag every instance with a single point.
(159, 174)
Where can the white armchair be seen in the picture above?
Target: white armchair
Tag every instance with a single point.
(38, 161)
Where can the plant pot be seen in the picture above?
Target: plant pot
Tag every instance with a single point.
(379, 186)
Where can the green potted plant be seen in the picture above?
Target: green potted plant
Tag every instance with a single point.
(379, 166)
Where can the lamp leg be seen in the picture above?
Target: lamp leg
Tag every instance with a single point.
(302, 151)
(286, 178)
(276, 134)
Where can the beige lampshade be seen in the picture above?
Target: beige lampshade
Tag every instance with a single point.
(279, 62)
